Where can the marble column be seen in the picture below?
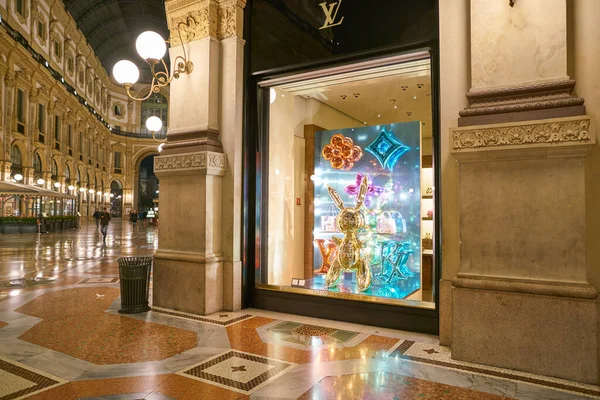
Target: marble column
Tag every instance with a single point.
(196, 230)
(521, 298)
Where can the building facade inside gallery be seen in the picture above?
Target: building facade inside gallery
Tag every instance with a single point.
(62, 117)
(458, 142)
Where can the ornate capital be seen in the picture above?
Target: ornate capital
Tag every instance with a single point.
(207, 162)
(541, 137)
(191, 20)
(231, 19)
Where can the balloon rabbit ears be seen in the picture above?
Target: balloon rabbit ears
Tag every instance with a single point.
(360, 199)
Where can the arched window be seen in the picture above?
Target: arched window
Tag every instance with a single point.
(37, 164)
(15, 159)
(115, 185)
(67, 174)
(155, 105)
(54, 170)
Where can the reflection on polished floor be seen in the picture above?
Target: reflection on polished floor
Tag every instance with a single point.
(61, 337)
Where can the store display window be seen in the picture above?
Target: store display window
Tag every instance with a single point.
(350, 195)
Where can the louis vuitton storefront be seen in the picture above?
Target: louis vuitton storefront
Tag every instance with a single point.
(342, 160)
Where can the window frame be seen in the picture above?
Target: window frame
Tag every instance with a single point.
(41, 122)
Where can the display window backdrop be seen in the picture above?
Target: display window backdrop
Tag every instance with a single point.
(389, 156)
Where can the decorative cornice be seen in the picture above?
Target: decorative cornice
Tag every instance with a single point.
(515, 91)
(207, 161)
(531, 97)
(566, 130)
(509, 108)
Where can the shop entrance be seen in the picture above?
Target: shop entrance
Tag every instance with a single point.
(147, 185)
(116, 199)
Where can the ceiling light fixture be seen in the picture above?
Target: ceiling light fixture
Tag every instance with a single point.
(152, 48)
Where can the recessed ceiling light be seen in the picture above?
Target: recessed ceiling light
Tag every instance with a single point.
(378, 115)
(395, 106)
(415, 97)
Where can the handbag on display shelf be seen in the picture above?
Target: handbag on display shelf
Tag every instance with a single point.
(328, 221)
(400, 221)
(386, 224)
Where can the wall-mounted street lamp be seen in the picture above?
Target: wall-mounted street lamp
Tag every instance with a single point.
(152, 48)
(154, 124)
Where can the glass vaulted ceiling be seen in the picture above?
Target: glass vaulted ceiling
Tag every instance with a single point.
(112, 26)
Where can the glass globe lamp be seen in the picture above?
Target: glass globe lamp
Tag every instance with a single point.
(151, 46)
(18, 177)
(40, 181)
(154, 124)
(56, 184)
(82, 190)
(71, 187)
(126, 73)
(91, 191)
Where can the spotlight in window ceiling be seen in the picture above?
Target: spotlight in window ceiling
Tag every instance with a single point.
(420, 85)
(404, 88)
(356, 95)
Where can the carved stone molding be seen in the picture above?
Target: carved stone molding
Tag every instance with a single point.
(519, 103)
(207, 161)
(575, 130)
(560, 137)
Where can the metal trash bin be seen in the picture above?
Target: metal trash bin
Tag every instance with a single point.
(134, 275)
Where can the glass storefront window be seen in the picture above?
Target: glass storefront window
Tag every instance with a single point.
(350, 199)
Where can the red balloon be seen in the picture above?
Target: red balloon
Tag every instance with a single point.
(327, 152)
(337, 162)
(356, 153)
(337, 140)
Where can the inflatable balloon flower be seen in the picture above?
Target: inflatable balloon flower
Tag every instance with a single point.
(341, 152)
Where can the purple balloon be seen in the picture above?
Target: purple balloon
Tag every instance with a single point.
(372, 190)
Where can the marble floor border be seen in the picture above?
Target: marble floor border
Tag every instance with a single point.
(401, 349)
(199, 318)
(42, 381)
(279, 368)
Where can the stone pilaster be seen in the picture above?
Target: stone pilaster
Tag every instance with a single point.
(521, 298)
(195, 261)
(188, 272)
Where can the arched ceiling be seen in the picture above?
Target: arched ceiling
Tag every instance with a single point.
(112, 26)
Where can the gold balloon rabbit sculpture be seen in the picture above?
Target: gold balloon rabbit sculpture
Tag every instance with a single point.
(348, 258)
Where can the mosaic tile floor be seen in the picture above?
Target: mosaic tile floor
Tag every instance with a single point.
(61, 337)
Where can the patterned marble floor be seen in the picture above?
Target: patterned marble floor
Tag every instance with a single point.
(61, 337)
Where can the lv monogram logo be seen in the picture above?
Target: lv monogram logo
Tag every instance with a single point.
(331, 11)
